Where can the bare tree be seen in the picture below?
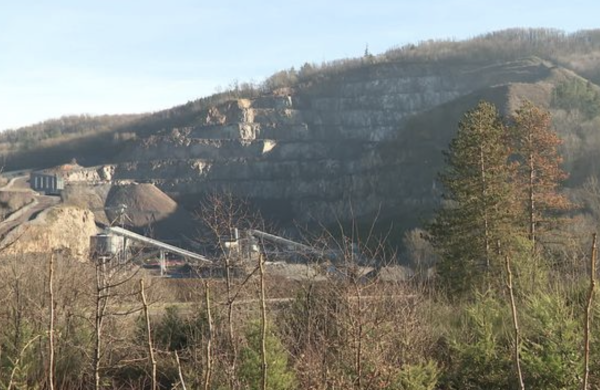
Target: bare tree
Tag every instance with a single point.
(23, 295)
(263, 324)
(419, 251)
(11, 382)
(208, 355)
(179, 372)
(588, 316)
(110, 275)
(359, 327)
(51, 322)
(149, 335)
(223, 217)
(101, 297)
(517, 336)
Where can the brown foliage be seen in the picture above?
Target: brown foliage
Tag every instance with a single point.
(539, 172)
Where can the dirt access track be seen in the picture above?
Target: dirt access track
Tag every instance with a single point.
(17, 185)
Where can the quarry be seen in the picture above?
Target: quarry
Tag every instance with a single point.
(361, 147)
(86, 216)
(418, 219)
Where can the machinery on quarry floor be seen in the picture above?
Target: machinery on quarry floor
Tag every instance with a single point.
(113, 244)
(254, 241)
(286, 244)
(114, 241)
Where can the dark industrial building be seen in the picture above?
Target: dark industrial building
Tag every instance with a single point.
(47, 183)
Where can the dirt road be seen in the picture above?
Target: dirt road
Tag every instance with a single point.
(27, 212)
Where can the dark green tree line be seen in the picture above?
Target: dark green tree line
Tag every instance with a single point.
(478, 200)
(501, 181)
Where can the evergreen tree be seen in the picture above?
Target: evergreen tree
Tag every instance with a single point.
(279, 375)
(474, 224)
(535, 148)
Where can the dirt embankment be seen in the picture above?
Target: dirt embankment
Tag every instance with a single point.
(13, 201)
(60, 228)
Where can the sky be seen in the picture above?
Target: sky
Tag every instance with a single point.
(69, 57)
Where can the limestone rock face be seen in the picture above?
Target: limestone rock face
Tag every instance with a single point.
(61, 228)
(344, 148)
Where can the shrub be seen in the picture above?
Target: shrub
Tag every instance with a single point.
(577, 94)
(423, 376)
(551, 353)
(480, 356)
(279, 375)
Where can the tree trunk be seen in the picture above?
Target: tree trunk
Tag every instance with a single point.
(588, 316)
(263, 325)
(513, 306)
(149, 334)
(181, 379)
(18, 362)
(102, 292)
(208, 371)
(485, 211)
(51, 323)
(358, 335)
(531, 207)
(232, 346)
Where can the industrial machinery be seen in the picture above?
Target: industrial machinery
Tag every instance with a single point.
(297, 249)
(253, 241)
(113, 242)
(107, 245)
(287, 243)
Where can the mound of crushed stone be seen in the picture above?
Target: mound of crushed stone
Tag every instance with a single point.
(91, 197)
(145, 204)
(148, 211)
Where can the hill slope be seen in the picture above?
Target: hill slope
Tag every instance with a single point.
(354, 138)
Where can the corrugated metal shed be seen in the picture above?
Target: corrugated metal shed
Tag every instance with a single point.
(47, 183)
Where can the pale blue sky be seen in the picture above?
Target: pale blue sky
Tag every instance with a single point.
(62, 57)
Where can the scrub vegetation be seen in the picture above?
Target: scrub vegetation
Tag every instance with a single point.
(504, 298)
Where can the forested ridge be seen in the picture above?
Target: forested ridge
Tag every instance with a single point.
(579, 52)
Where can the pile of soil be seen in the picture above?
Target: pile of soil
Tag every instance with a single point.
(91, 197)
(144, 204)
(147, 208)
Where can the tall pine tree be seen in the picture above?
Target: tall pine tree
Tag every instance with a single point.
(535, 148)
(474, 222)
